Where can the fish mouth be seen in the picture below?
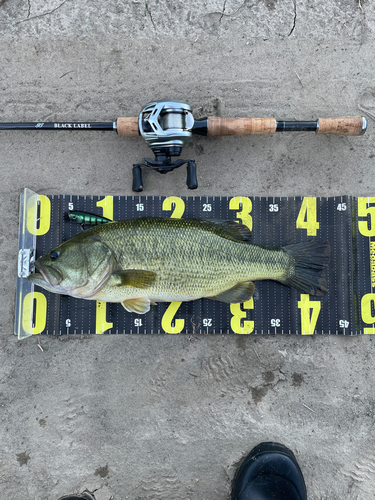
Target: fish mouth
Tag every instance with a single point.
(49, 274)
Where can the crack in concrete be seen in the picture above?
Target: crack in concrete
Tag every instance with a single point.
(222, 13)
(29, 11)
(295, 17)
(147, 10)
(42, 15)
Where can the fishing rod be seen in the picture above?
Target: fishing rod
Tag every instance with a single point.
(167, 126)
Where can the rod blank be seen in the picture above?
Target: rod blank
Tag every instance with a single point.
(59, 126)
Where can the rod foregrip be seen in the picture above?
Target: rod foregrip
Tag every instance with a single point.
(127, 126)
(241, 126)
(345, 125)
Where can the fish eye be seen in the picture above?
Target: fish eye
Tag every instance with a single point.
(54, 255)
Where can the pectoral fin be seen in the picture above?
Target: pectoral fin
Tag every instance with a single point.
(137, 278)
(239, 293)
(139, 306)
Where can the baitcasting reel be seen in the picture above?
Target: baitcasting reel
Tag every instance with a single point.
(166, 126)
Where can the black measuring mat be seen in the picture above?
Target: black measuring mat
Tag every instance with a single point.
(347, 223)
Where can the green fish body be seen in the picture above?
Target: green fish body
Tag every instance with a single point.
(139, 262)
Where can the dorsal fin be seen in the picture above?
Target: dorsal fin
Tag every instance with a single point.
(228, 229)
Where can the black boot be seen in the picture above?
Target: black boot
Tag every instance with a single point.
(270, 471)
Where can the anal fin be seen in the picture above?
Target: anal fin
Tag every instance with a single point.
(241, 292)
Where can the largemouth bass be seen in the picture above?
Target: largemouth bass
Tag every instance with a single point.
(143, 261)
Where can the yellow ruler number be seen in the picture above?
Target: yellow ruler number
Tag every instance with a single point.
(367, 306)
(365, 227)
(101, 324)
(179, 206)
(310, 310)
(245, 206)
(307, 217)
(106, 204)
(237, 322)
(30, 300)
(169, 316)
(38, 225)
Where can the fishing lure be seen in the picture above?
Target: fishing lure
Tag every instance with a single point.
(87, 218)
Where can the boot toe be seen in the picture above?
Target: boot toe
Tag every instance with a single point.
(270, 471)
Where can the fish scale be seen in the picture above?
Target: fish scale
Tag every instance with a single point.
(197, 260)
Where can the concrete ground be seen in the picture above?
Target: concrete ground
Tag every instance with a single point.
(170, 417)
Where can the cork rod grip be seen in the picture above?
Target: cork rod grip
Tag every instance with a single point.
(346, 125)
(241, 126)
(127, 126)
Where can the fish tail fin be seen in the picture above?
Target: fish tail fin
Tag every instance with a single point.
(306, 271)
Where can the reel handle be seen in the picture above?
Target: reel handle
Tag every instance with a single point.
(137, 179)
(191, 175)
